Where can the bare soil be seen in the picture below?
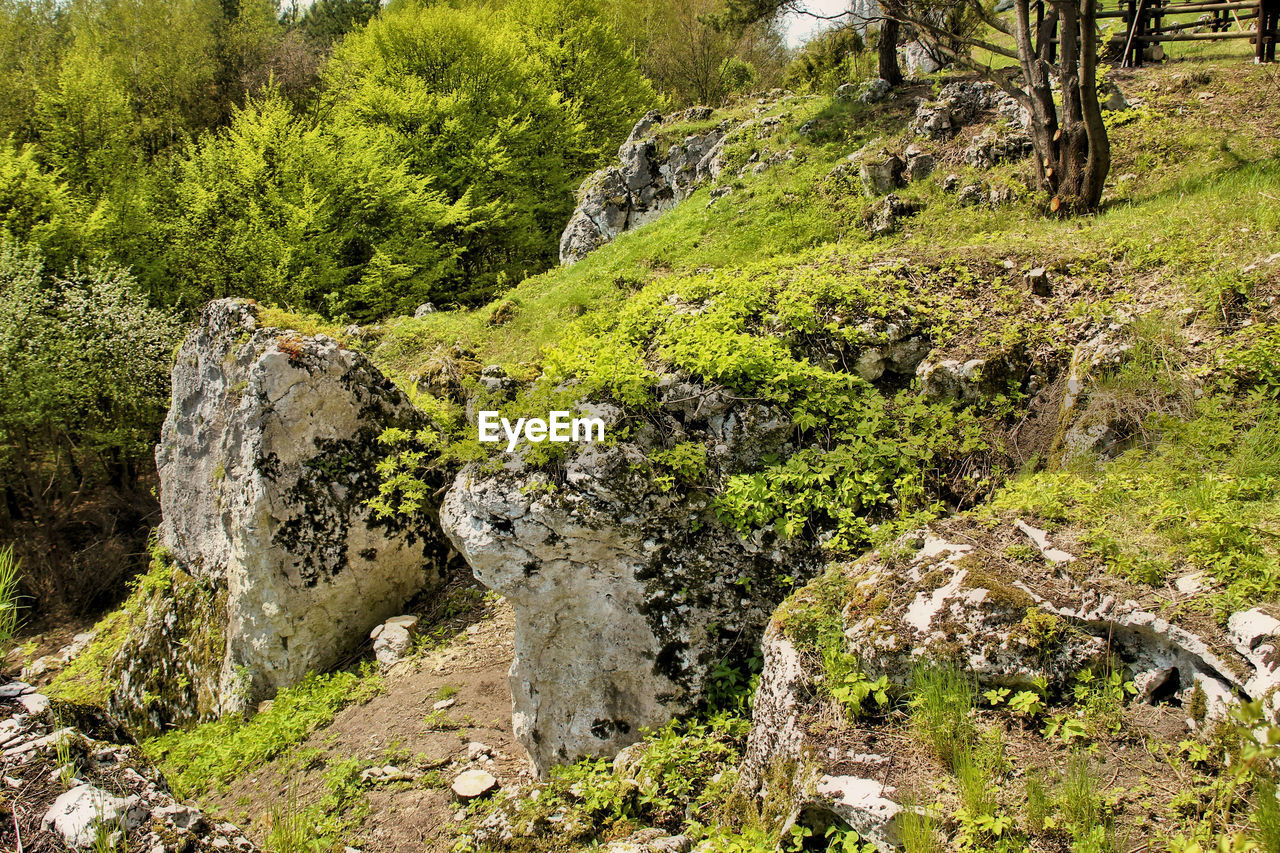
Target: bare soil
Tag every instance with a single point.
(401, 727)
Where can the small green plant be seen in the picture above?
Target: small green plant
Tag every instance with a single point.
(918, 830)
(212, 754)
(63, 755)
(1084, 817)
(9, 572)
(941, 702)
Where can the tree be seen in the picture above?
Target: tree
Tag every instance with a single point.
(326, 21)
(84, 389)
(33, 36)
(586, 61)
(456, 95)
(1073, 152)
(687, 55)
(279, 210)
(741, 13)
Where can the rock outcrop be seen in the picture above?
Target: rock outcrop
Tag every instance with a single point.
(626, 596)
(928, 599)
(643, 185)
(82, 782)
(962, 103)
(279, 567)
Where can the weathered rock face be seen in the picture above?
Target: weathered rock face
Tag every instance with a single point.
(625, 596)
(961, 103)
(930, 599)
(267, 461)
(642, 186)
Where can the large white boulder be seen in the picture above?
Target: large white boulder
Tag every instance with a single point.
(626, 596)
(267, 462)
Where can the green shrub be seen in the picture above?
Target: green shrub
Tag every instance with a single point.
(210, 755)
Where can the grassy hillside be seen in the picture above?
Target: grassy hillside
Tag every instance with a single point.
(766, 291)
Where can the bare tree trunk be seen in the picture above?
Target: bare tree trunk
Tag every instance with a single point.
(1073, 154)
(889, 69)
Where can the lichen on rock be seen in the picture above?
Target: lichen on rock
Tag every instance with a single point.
(267, 461)
(626, 595)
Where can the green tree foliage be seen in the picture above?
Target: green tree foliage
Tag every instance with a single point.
(586, 61)
(326, 21)
(33, 35)
(687, 55)
(835, 57)
(457, 95)
(285, 212)
(37, 206)
(82, 394)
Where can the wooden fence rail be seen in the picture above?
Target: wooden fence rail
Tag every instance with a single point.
(1145, 27)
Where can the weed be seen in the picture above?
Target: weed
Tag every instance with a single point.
(212, 754)
(941, 702)
(10, 567)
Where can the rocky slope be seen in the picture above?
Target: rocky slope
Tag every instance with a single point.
(75, 780)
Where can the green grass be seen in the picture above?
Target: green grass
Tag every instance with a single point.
(10, 566)
(942, 697)
(212, 754)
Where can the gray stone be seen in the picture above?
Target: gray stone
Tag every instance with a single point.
(919, 163)
(393, 639)
(918, 59)
(615, 583)
(423, 310)
(77, 814)
(874, 91)
(642, 185)
(991, 148)
(888, 213)
(970, 195)
(267, 462)
(880, 172)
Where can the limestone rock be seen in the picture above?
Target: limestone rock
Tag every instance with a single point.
(969, 195)
(881, 172)
(885, 216)
(267, 461)
(991, 148)
(470, 784)
(642, 186)
(625, 596)
(918, 59)
(874, 91)
(1084, 427)
(919, 163)
(77, 815)
(393, 638)
(650, 841)
(957, 105)
(861, 804)
(424, 310)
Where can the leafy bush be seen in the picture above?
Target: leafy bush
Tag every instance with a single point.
(82, 395)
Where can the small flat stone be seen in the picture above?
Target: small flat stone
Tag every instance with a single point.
(473, 783)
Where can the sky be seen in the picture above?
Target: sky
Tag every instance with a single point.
(800, 28)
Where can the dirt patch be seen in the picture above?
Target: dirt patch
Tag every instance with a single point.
(403, 727)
